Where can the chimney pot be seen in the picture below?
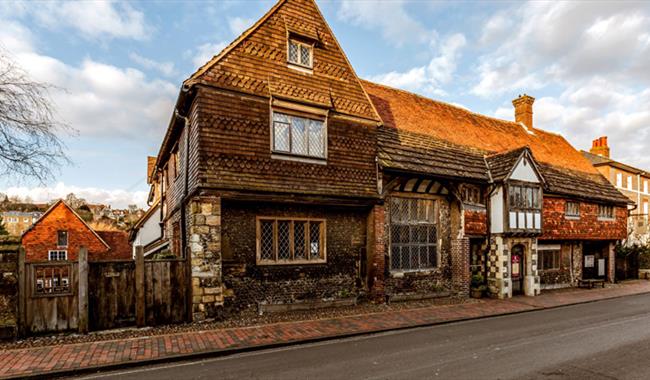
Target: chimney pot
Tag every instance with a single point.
(600, 147)
(524, 110)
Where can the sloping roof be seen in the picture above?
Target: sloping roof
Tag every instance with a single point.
(413, 152)
(428, 136)
(119, 244)
(500, 164)
(143, 219)
(597, 160)
(54, 206)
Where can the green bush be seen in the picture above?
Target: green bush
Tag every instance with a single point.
(642, 251)
(477, 281)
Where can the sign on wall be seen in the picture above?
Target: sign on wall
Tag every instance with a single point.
(589, 261)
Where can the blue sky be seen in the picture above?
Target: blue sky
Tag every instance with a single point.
(118, 67)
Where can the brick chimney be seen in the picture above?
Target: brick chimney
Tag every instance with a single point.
(524, 110)
(600, 147)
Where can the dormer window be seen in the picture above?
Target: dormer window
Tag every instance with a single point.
(301, 54)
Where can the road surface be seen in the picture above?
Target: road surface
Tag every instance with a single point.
(602, 340)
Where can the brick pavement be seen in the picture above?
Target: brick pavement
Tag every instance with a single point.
(112, 353)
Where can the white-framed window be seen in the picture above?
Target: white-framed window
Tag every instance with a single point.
(300, 53)
(629, 182)
(413, 234)
(62, 238)
(291, 241)
(619, 179)
(58, 255)
(298, 135)
(572, 210)
(645, 186)
(549, 258)
(645, 211)
(605, 212)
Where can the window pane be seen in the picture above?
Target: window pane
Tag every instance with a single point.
(293, 52)
(284, 252)
(280, 117)
(299, 243)
(266, 237)
(281, 137)
(62, 238)
(305, 54)
(314, 240)
(316, 143)
(298, 135)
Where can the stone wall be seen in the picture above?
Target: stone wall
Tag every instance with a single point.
(247, 283)
(204, 244)
(8, 285)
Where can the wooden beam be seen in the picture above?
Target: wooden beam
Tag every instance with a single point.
(83, 291)
(22, 295)
(139, 287)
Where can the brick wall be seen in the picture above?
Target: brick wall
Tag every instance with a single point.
(475, 222)
(377, 250)
(248, 283)
(460, 271)
(556, 226)
(43, 237)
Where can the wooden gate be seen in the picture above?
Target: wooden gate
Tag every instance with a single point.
(111, 294)
(65, 295)
(51, 297)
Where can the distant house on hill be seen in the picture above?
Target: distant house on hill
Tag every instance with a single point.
(60, 232)
(17, 222)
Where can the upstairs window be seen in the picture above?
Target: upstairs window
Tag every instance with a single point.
(524, 207)
(629, 182)
(58, 255)
(619, 180)
(572, 210)
(298, 135)
(471, 195)
(645, 187)
(300, 54)
(605, 212)
(62, 238)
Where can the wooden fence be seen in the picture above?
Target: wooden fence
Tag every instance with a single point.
(60, 296)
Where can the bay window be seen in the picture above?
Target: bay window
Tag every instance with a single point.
(524, 206)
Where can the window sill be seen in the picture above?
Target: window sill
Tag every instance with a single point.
(402, 273)
(304, 159)
(571, 217)
(289, 263)
(602, 219)
(302, 69)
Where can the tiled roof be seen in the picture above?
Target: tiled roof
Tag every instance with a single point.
(500, 164)
(430, 137)
(597, 160)
(120, 249)
(417, 153)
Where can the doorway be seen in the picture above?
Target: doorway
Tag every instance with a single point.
(595, 261)
(517, 269)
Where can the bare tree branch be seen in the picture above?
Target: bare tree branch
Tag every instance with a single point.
(30, 143)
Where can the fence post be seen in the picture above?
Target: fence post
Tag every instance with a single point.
(22, 295)
(139, 287)
(83, 290)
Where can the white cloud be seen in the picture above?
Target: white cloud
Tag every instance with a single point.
(430, 78)
(115, 198)
(95, 98)
(589, 59)
(390, 17)
(205, 52)
(165, 68)
(92, 18)
(238, 24)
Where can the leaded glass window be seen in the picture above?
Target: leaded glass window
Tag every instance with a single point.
(290, 240)
(299, 136)
(300, 53)
(413, 234)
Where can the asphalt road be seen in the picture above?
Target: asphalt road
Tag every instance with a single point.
(602, 340)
